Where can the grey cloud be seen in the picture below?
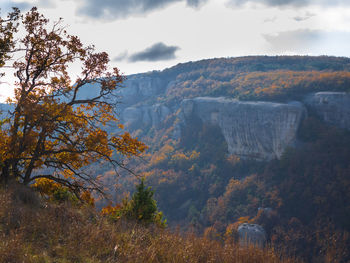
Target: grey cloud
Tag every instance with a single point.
(295, 3)
(46, 3)
(307, 16)
(7, 7)
(121, 56)
(270, 19)
(196, 3)
(293, 40)
(25, 5)
(116, 9)
(156, 52)
(310, 42)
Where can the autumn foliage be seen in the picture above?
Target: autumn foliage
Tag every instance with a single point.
(306, 193)
(53, 131)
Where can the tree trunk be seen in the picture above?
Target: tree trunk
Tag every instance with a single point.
(5, 174)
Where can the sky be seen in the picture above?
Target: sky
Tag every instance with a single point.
(145, 35)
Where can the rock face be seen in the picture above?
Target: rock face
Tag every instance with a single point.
(331, 107)
(140, 88)
(259, 130)
(251, 234)
(145, 115)
(255, 130)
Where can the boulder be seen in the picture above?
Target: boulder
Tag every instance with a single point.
(251, 234)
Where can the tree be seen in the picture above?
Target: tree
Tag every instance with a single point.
(143, 206)
(53, 132)
(8, 27)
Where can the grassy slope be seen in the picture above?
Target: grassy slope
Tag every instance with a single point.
(32, 230)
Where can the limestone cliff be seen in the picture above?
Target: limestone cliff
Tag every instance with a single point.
(145, 115)
(140, 87)
(331, 107)
(259, 130)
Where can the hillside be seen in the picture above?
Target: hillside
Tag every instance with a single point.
(248, 78)
(258, 140)
(231, 137)
(33, 229)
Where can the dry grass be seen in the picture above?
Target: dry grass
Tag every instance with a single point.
(33, 231)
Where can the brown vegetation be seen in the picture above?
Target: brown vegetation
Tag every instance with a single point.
(33, 230)
(307, 190)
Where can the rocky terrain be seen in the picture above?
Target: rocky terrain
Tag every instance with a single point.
(252, 129)
(331, 107)
(257, 130)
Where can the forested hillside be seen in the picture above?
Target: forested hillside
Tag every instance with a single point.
(200, 185)
(250, 78)
(258, 140)
(243, 159)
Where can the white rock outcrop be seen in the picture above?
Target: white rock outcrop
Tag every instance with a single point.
(145, 115)
(259, 130)
(140, 88)
(251, 234)
(332, 107)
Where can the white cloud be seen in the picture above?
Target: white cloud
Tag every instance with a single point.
(304, 17)
(291, 3)
(306, 41)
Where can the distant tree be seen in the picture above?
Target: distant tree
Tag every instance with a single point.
(53, 131)
(143, 207)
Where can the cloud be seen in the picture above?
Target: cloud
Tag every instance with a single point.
(46, 3)
(293, 40)
(156, 52)
(196, 3)
(116, 9)
(307, 16)
(7, 7)
(308, 41)
(295, 3)
(270, 19)
(26, 5)
(121, 56)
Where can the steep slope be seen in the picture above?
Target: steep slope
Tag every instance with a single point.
(261, 130)
(256, 130)
(221, 134)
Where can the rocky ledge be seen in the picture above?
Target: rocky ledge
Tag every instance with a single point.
(254, 130)
(331, 107)
(259, 130)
